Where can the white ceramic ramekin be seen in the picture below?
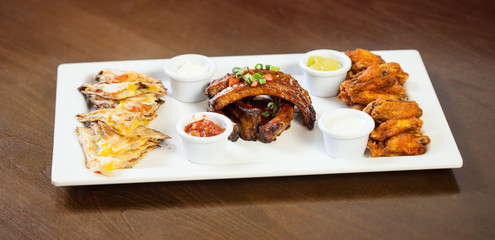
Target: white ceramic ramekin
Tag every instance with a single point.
(204, 150)
(188, 87)
(325, 83)
(345, 132)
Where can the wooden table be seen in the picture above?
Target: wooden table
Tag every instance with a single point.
(456, 40)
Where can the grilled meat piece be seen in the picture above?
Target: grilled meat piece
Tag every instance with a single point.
(257, 121)
(282, 85)
(269, 131)
(248, 118)
(222, 83)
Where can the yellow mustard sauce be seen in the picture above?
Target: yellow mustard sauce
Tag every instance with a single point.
(323, 64)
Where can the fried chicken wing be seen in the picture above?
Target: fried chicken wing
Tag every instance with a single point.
(366, 97)
(362, 59)
(375, 87)
(394, 127)
(374, 78)
(377, 81)
(407, 143)
(394, 70)
(383, 109)
(398, 131)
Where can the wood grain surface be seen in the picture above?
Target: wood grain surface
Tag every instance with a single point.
(456, 40)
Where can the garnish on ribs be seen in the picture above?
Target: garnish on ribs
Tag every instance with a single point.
(247, 101)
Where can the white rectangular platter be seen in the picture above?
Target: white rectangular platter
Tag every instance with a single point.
(298, 151)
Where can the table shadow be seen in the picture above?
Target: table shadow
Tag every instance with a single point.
(190, 194)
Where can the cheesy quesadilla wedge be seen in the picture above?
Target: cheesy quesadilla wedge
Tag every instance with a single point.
(122, 90)
(106, 150)
(116, 138)
(147, 103)
(117, 76)
(119, 120)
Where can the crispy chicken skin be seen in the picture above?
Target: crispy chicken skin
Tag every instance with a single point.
(382, 110)
(380, 77)
(407, 143)
(398, 130)
(366, 97)
(393, 127)
(393, 69)
(377, 81)
(361, 59)
(376, 87)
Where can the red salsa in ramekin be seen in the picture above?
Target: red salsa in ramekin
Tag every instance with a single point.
(203, 128)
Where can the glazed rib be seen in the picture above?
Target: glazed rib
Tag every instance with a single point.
(272, 129)
(248, 117)
(273, 88)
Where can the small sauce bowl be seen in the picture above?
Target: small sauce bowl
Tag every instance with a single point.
(325, 83)
(189, 74)
(204, 150)
(345, 132)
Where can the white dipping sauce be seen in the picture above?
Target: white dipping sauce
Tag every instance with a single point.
(345, 132)
(346, 125)
(191, 69)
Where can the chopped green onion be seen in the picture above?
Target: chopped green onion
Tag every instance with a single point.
(248, 78)
(265, 114)
(273, 106)
(258, 76)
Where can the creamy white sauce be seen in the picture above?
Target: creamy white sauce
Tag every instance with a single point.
(346, 125)
(191, 69)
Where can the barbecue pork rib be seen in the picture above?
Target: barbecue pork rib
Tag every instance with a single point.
(282, 85)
